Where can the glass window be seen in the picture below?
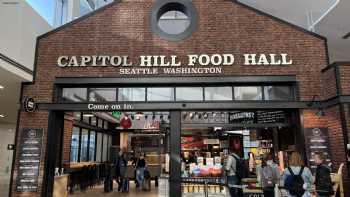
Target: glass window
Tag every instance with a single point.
(86, 117)
(105, 147)
(105, 125)
(189, 94)
(248, 93)
(174, 22)
(84, 145)
(74, 145)
(86, 7)
(102, 94)
(93, 121)
(218, 93)
(77, 116)
(100, 123)
(278, 93)
(92, 147)
(131, 94)
(160, 94)
(74, 94)
(99, 147)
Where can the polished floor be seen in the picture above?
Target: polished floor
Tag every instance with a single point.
(98, 191)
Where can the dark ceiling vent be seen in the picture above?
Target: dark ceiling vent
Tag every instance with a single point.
(346, 36)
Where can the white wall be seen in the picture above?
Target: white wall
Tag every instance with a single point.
(7, 133)
(20, 25)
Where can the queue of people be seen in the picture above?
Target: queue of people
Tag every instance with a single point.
(297, 179)
(142, 177)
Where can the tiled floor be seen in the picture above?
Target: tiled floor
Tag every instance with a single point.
(98, 191)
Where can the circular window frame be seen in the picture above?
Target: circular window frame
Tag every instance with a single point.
(163, 6)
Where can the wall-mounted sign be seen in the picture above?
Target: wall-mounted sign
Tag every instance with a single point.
(108, 107)
(29, 160)
(29, 104)
(316, 140)
(161, 64)
(259, 117)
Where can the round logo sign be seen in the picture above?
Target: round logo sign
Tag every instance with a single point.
(29, 104)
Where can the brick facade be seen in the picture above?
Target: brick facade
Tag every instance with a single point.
(223, 27)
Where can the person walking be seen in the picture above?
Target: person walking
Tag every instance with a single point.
(323, 181)
(268, 175)
(140, 169)
(297, 178)
(121, 165)
(235, 171)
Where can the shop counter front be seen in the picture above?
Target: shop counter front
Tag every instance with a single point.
(60, 188)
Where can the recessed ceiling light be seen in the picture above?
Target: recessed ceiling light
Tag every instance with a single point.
(1, 87)
(88, 115)
(2, 116)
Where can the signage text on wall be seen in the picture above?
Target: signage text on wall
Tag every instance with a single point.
(29, 160)
(157, 64)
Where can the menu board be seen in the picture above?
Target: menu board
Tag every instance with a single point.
(271, 117)
(316, 140)
(29, 160)
(145, 141)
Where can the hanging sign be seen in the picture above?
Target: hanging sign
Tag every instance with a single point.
(29, 105)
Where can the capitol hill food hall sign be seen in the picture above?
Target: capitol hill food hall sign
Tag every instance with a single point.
(171, 65)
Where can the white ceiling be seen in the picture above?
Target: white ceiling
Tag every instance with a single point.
(333, 26)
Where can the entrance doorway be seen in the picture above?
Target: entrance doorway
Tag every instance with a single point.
(184, 151)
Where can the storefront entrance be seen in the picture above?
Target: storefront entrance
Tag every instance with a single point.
(185, 149)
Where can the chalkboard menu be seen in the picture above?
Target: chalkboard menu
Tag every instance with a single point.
(29, 160)
(316, 140)
(271, 117)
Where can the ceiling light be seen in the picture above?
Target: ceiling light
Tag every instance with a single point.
(1, 87)
(2, 116)
(88, 115)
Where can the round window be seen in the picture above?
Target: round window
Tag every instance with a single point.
(173, 20)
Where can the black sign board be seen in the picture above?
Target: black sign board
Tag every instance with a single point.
(29, 160)
(316, 140)
(260, 117)
(29, 105)
(252, 194)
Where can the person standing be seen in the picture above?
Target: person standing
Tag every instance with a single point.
(268, 175)
(233, 169)
(140, 169)
(297, 177)
(323, 181)
(121, 166)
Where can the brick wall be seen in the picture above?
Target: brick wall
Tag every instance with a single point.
(344, 71)
(329, 84)
(124, 29)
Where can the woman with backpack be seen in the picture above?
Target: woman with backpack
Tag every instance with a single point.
(323, 181)
(268, 175)
(297, 177)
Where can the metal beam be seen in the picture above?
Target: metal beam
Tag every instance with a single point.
(166, 106)
(175, 159)
(86, 81)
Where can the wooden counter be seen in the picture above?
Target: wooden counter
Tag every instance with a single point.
(60, 186)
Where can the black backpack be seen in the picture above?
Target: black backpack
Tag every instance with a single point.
(294, 183)
(241, 169)
(323, 181)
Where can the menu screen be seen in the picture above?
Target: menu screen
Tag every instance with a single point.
(316, 141)
(29, 160)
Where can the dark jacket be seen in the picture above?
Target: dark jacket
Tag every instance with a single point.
(121, 165)
(323, 180)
